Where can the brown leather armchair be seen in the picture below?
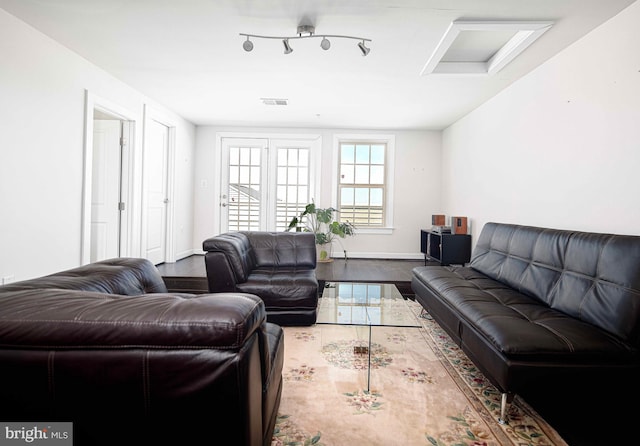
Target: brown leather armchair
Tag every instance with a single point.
(106, 347)
(279, 267)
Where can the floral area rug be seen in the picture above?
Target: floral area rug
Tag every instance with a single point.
(419, 390)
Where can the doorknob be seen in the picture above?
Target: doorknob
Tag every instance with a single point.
(165, 201)
(223, 204)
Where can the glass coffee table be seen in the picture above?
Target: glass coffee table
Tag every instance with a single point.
(367, 305)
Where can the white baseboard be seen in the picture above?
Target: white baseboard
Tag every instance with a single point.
(360, 255)
(379, 255)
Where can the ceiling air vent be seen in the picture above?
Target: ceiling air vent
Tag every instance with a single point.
(274, 101)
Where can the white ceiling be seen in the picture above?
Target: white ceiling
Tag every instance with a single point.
(187, 55)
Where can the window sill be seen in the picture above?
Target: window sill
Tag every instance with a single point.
(382, 231)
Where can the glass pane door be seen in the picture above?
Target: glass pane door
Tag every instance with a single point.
(265, 183)
(243, 195)
(292, 183)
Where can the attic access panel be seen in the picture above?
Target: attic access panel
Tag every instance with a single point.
(471, 47)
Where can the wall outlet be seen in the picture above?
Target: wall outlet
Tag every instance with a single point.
(8, 279)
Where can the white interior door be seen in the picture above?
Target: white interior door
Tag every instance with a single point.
(155, 173)
(105, 190)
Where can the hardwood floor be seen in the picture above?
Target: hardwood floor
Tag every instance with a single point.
(192, 266)
(189, 275)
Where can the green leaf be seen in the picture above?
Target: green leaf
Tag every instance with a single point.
(293, 223)
(325, 215)
(322, 238)
(309, 209)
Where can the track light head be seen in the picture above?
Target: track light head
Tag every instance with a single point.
(247, 45)
(363, 48)
(325, 44)
(287, 47)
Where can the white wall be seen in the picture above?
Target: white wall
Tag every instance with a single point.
(416, 195)
(42, 94)
(559, 148)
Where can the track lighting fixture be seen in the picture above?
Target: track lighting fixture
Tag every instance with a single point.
(309, 30)
(363, 48)
(287, 47)
(247, 45)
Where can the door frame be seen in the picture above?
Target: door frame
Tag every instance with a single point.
(151, 113)
(129, 119)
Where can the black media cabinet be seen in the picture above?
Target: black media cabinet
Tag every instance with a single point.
(445, 248)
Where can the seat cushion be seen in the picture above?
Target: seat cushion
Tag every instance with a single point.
(283, 288)
(516, 324)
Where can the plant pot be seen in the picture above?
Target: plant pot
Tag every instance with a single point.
(323, 252)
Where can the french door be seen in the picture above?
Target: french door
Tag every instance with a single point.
(264, 182)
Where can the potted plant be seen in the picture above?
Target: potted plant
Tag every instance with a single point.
(321, 222)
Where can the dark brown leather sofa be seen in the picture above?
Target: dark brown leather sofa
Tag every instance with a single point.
(538, 305)
(279, 267)
(105, 347)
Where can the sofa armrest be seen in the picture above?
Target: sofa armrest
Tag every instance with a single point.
(83, 320)
(236, 249)
(127, 276)
(220, 274)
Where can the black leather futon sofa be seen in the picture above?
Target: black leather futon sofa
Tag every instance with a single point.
(539, 305)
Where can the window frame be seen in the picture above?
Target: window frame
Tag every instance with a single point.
(389, 141)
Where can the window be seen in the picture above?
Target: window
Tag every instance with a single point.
(292, 184)
(361, 185)
(245, 203)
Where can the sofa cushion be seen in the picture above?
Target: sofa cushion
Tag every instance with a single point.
(283, 249)
(587, 276)
(283, 287)
(514, 323)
